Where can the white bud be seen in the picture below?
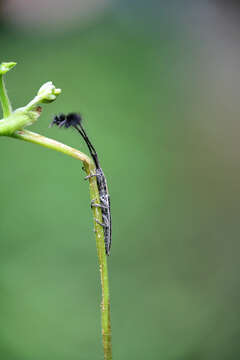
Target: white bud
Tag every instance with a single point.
(48, 92)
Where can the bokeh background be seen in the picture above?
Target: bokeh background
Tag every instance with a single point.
(158, 85)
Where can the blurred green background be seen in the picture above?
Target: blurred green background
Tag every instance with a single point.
(158, 87)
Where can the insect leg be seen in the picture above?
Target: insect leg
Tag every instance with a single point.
(93, 204)
(89, 176)
(98, 222)
(105, 224)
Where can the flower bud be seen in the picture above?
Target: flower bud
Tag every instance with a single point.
(48, 92)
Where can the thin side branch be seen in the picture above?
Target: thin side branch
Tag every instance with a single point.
(35, 138)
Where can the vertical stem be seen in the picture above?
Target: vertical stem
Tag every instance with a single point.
(97, 214)
(6, 105)
(102, 258)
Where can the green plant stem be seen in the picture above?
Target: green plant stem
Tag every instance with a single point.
(35, 138)
(6, 105)
(97, 214)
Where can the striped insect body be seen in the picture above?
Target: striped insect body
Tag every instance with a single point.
(106, 208)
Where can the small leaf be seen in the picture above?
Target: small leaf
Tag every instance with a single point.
(6, 66)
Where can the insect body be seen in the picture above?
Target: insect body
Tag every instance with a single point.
(74, 120)
(106, 209)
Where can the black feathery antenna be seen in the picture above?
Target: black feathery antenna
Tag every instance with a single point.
(75, 120)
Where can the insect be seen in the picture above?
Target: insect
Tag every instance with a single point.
(75, 120)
